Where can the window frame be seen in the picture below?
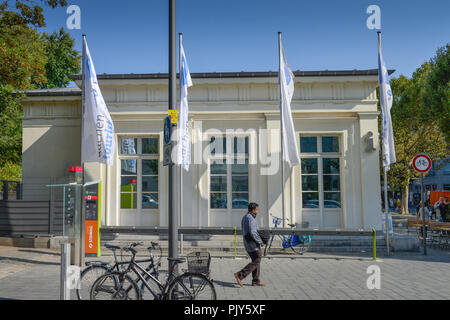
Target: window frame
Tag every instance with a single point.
(139, 157)
(228, 157)
(320, 156)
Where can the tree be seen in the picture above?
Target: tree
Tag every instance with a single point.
(437, 90)
(415, 131)
(26, 12)
(27, 61)
(63, 60)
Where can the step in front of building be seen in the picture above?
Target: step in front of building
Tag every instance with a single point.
(226, 244)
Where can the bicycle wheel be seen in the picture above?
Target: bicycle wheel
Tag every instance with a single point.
(191, 286)
(301, 248)
(115, 286)
(268, 246)
(87, 279)
(162, 276)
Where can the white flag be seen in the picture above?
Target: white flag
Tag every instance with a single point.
(386, 101)
(184, 136)
(291, 154)
(98, 141)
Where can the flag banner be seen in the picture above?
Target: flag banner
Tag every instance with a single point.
(184, 136)
(386, 100)
(290, 149)
(98, 141)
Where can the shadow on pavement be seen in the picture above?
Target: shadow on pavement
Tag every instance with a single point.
(41, 252)
(29, 261)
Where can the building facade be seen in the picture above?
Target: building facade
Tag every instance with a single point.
(235, 124)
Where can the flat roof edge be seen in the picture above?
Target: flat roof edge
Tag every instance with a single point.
(219, 75)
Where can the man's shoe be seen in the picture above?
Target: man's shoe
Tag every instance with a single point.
(236, 275)
(259, 284)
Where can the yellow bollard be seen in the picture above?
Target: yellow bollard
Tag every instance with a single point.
(374, 244)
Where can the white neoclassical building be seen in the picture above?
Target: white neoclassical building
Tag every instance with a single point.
(237, 116)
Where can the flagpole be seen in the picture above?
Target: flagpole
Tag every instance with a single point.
(173, 216)
(386, 206)
(180, 35)
(282, 135)
(83, 111)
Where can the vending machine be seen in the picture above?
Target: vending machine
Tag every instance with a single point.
(92, 220)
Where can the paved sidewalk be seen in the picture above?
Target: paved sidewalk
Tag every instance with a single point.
(34, 274)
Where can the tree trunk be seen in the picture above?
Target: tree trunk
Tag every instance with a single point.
(405, 198)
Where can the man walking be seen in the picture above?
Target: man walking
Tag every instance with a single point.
(252, 244)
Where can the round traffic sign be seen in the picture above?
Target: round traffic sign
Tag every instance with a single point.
(422, 163)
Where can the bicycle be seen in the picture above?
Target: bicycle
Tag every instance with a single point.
(118, 285)
(96, 269)
(298, 244)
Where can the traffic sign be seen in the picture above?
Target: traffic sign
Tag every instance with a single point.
(173, 114)
(167, 130)
(422, 163)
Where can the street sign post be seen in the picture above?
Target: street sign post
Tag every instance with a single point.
(167, 152)
(422, 164)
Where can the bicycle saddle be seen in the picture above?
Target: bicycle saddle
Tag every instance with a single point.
(177, 260)
(292, 225)
(110, 246)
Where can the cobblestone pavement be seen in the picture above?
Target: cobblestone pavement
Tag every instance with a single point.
(34, 274)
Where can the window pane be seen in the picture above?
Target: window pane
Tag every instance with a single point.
(128, 146)
(332, 199)
(218, 183)
(331, 183)
(240, 145)
(218, 145)
(310, 183)
(330, 144)
(240, 183)
(309, 166)
(240, 200)
(150, 146)
(218, 200)
(308, 144)
(150, 184)
(129, 184)
(128, 201)
(331, 166)
(218, 168)
(129, 167)
(150, 167)
(149, 201)
(310, 200)
(240, 168)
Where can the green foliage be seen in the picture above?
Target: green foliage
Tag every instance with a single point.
(26, 12)
(22, 57)
(11, 171)
(63, 60)
(437, 90)
(10, 126)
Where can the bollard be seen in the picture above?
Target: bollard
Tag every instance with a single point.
(374, 244)
(235, 242)
(64, 292)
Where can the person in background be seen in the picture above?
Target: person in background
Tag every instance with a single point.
(253, 244)
(441, 208)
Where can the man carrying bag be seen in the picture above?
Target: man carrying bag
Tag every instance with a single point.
(252, 244)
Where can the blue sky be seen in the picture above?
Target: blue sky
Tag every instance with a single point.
(241, 35)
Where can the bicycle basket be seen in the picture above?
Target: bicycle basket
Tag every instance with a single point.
(199, 262)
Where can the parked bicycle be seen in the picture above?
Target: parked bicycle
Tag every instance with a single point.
(96, 269)
(119, 285)
(298, 244)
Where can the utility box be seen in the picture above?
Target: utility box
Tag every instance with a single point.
(92, 220)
